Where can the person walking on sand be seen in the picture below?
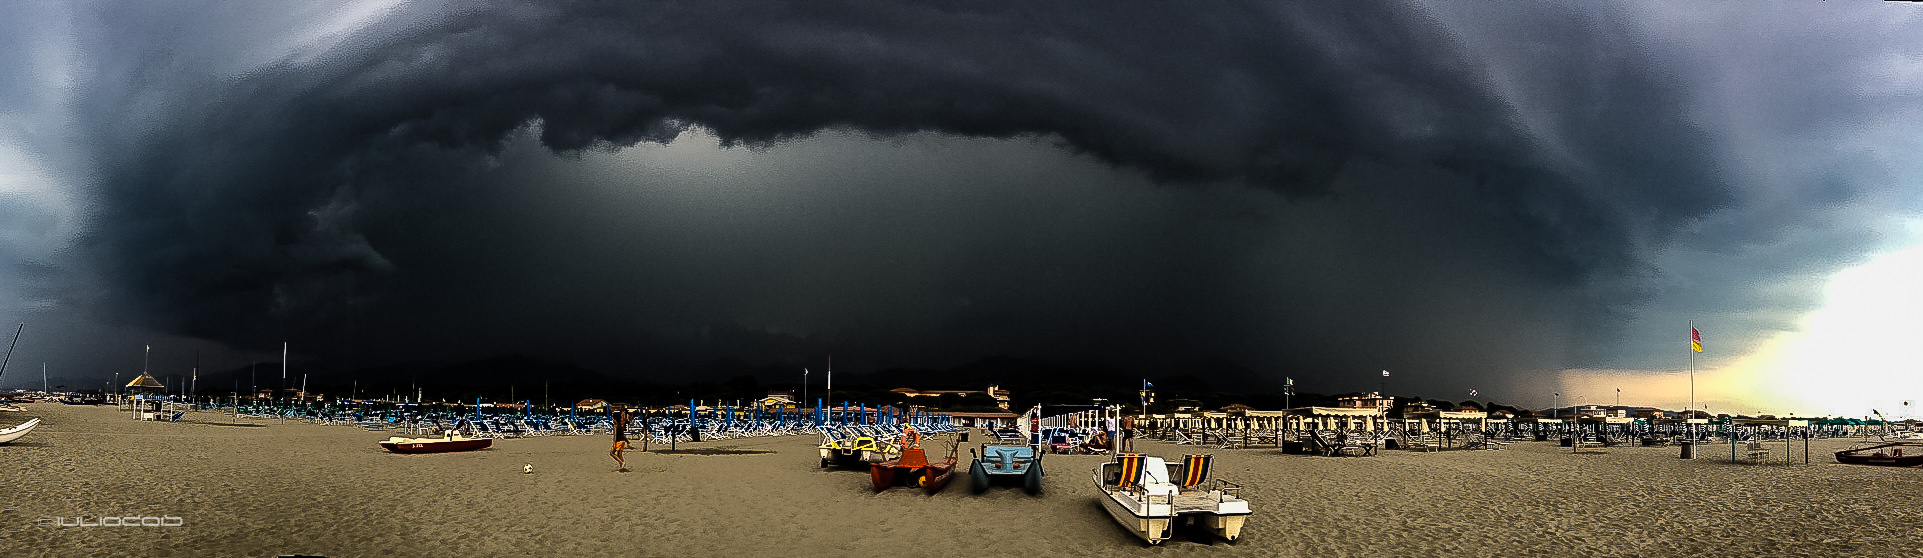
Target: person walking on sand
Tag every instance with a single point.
(1128, 433)
(620, 441)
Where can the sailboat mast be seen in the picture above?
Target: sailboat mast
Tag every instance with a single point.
(16, 341)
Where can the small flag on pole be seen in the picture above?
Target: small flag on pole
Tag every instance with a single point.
(1695, 340)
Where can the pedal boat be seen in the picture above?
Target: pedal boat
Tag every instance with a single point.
(1150, 497)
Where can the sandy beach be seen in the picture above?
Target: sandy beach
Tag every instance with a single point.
(270, 487)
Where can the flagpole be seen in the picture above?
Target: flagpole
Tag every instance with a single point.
(1692, 385)
(1692, 365)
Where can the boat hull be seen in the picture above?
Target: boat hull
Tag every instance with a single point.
(1153, 528)
(437, 446)
(1226, 526)
(882, 475)
(935, 477)
(1152, 508)
(913, 468)
(982, 475)
(14, 432)
(932, 478)
(856, 452)
(1885, 456)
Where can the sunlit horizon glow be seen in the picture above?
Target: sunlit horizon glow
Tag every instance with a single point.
(1856, 354)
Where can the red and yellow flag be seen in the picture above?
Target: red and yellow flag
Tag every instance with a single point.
(1695, 340)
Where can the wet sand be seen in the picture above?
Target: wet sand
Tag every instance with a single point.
(270, 487)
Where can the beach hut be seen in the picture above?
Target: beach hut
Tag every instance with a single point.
(1330, 418)
(1542, 427)
(1757, 429)
(146, 393)
(1431, 421)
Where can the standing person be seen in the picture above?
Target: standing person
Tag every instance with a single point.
(1128, 433)
(1114, 433)
(620, 441)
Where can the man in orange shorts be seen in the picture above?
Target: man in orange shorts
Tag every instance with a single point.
(620, 441)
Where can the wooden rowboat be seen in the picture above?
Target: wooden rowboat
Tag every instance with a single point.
(443, 444)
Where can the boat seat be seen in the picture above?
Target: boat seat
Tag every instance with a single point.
(1195, 470)
(1130, 467)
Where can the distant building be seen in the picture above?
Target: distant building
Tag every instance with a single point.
(1652, 413)
(993, 392)
(1418, 408)
(1371, 400)
(985, 420)
(778, 399)
(288, 393)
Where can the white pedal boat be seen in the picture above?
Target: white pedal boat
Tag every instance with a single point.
(1150, 496)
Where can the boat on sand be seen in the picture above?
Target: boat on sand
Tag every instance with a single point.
(446, 443)
(913, 467)
(14, 432)
(1889, 454)
(849, 450)
(1017, 459)
(1149, 496)
(1005, 462)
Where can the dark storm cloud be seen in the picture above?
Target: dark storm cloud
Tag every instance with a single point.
(1417, 194)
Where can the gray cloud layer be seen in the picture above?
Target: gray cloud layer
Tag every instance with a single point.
(1338, 186)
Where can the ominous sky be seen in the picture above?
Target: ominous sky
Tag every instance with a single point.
(1465, 193)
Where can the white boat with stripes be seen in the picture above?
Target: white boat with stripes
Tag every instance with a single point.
(1151, 497)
